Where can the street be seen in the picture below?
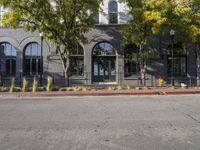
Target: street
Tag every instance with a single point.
(101, 123)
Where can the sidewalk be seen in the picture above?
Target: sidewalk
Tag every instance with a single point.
(158, 91)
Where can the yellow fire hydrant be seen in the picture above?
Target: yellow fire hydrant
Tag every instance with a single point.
(160, 82)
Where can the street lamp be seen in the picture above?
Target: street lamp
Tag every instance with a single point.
(172, 34)
(41, 58)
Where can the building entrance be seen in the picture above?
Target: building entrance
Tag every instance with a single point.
(104, 63)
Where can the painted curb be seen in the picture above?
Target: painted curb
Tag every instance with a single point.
(106, 93)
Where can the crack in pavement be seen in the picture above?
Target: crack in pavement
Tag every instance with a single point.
(186, 114)
(191, 117)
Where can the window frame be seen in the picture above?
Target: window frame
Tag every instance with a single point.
(1, 12)
(9, 58)
(96, 18)
(128, 51)
(75, 57)
(179, 73)
(31, 58)
(102, 74)
(111, 12)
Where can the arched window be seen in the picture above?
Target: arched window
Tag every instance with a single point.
(104, 63)
(131, 66)
(113, 12)
(104, 49)
(32, 59)
(77, 61)
(8, 55)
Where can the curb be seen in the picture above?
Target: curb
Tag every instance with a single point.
(101, 93)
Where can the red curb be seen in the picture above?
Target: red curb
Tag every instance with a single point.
(104, 93)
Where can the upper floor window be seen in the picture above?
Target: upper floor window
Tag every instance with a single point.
(1, 12)
(96, 18)
(113, 12)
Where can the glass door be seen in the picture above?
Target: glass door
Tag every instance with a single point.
(104, 69)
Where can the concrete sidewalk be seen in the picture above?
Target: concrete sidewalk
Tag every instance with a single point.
(156, 91)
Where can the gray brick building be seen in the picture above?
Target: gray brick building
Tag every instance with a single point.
(101, 61)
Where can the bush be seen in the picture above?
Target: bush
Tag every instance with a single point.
(12, 86)
(77, 88)
(128, 87)
(62, 89)
(40, 89)
(119, 87)
(49, 86)
(35, 85)
(3, 89)
(18, 89)
(24, 85)
(55, 89)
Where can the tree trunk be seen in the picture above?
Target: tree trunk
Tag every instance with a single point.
(66, 77)
(142, 68)
(198, 64)
(65, 65)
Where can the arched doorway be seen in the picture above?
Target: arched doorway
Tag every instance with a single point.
(104, 63)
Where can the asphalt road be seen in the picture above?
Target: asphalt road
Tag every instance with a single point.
(101, 123)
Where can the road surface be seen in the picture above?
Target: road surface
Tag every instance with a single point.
(101, 123)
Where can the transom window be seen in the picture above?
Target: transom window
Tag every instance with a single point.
(32, 59)
(104, 49)
(8, 55)
(6, 49)
(113, 12)
(33, 50)
(77, 61)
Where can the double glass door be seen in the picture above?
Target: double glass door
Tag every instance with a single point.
(104, 69)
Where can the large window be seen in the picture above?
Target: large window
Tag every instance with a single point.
(130, 66)
(180, 60)
(113, 12)
(77, 62)
(180, 65)
(32, 59)
(8, 55)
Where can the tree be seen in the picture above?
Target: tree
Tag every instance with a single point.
(181, 15)
(62, 22)
(137, 32)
